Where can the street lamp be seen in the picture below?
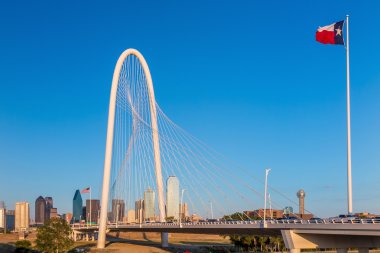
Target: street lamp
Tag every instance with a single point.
(181, 211)
(265, 194)
(117, 214)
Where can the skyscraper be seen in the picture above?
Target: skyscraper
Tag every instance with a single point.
(92, 213)
(172, 197)
(2, 216)
(149, 211)
(22, 216)
(40, 209)
(139, 210)
(10, 220)
(77, 207)
(49, 206)
(118, 210)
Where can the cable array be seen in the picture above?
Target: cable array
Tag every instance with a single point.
(213, 186)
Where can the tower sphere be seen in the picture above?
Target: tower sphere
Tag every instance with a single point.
(301, 194)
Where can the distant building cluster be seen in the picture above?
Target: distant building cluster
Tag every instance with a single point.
(145, 208)
(44, 210)
(89, 213)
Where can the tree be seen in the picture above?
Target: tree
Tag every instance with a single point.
(54, 236)
(23, 246)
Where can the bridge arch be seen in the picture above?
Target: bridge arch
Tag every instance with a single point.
(110, 139)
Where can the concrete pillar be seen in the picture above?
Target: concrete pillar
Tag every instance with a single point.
(164, 240)
(363, 250)
(342, 250)
(87, 237)
(295, 250)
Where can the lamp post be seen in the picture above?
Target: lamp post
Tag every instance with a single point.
(181, 211)
(212, 211)
(265, 193)
(117, 214)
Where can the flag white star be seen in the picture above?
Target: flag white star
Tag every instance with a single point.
(338, 31)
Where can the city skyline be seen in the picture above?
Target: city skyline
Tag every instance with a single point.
(275, 102)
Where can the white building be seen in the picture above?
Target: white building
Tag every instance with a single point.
(149, 200)
(22, 214)
(2, 216)
(172, 197)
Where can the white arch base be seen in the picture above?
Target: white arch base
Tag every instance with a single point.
(109, 144)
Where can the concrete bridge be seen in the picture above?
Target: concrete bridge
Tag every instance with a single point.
(297, 235)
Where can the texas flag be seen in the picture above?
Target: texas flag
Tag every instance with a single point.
(331, 34)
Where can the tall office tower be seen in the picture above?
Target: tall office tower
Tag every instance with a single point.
(301, 196)
(22, 216)
(118, 210)
(40, 209)
(172, 197)
(77, 207)
(131, 216)
(149, 211)
(92, 210)
(139, 210)
(3, 222)
(49, 206)
(10, 220)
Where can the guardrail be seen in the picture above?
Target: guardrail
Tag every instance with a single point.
(189, 224)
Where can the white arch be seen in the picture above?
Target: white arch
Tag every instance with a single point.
(109, 143)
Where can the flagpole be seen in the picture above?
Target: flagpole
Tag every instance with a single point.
(349, 178)
(90, 205)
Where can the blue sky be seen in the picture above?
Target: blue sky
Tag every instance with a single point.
(246, 77)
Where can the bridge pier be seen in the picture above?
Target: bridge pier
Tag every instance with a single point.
(164, 240)
(306, 239)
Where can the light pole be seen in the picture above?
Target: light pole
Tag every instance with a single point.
(181, 211)
(212, 212)
(117, 214)
(265, 194)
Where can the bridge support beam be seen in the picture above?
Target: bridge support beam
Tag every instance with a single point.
(342, 250)
(164, 240)
(299, 239)
(363, 250)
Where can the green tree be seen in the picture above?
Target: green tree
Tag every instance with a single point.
(54, 236)
(23, 244)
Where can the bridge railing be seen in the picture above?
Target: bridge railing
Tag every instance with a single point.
(206, 223)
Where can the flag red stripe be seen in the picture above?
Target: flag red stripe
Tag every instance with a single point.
(325, 37)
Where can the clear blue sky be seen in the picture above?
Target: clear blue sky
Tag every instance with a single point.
(246, 77)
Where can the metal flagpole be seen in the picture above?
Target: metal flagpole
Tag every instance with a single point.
(90, 205)
(349, 178)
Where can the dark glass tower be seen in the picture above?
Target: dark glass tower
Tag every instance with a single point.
(77, 206)
(49, 206)
(40, 213)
